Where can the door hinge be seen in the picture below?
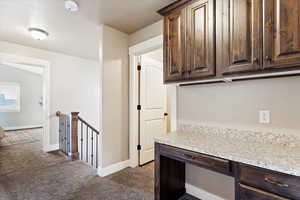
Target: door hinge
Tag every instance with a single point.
(139, 107)
(139, 67)
(139, 147)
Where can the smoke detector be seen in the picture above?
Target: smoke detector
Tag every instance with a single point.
(71, 5)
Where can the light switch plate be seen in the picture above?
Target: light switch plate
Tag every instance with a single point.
(264, 116)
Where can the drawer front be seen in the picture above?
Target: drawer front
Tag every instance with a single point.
(201, 160)
(274, 182)
(249, 193)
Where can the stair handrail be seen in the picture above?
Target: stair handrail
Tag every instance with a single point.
(91, 153)
(89, 125)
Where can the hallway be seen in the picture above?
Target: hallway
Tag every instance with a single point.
(28, 173)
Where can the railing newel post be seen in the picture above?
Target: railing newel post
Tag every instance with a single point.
(74, 154)
(69, 141)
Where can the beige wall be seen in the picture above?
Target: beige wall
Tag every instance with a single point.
(238, 104)
(115, 79)
(146, 33)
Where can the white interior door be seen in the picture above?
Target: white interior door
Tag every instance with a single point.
(153, 99)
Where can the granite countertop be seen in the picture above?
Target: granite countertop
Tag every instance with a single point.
(274, 151)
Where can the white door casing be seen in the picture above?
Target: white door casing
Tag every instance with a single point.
(153, 100)
(134, 52)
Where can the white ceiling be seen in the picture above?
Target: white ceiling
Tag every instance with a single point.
(73, 33)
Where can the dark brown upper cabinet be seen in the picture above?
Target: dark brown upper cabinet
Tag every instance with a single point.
(215, 39)
(241, 44)
(281, 33)
(200, 42)
(189, 40)
(174, 45)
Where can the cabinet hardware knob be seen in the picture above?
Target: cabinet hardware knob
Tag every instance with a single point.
(166, 114)
(268, 180)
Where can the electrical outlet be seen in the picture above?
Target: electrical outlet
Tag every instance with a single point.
(264, 116)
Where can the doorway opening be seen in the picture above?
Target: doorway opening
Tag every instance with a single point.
(152, 104)
(24, 102)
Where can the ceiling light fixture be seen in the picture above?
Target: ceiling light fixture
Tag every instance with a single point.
(71, 5)
(38, 34)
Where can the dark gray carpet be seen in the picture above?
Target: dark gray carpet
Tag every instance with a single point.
(66, 180)
(20, 137)
(26, 173)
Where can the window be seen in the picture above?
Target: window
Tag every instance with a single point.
(9, 97)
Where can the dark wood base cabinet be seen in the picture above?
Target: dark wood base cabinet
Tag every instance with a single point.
(252, 183)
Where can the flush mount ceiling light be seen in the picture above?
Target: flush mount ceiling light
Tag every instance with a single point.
(38, 34)
(71, 5)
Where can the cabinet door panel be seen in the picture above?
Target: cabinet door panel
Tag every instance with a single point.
(201, 39)
(282, 33)
(174, 45)
(241, 49)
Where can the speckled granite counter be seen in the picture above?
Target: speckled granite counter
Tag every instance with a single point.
(275, 151)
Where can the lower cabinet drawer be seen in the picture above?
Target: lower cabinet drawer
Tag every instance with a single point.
(209, 162)
(277, 183)
(249, 193)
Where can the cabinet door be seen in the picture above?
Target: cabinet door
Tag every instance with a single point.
(174, 46)
(241, 43)
(201, 39)
(282, 33)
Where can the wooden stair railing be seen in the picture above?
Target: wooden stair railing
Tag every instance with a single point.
(74, 154)
(72, 129)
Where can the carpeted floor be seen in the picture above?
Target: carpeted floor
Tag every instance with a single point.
(21, 137)
(27, 173)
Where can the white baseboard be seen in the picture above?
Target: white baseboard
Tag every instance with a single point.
(51, 147)
(113, 168)
(200, 193)
(22, 127)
